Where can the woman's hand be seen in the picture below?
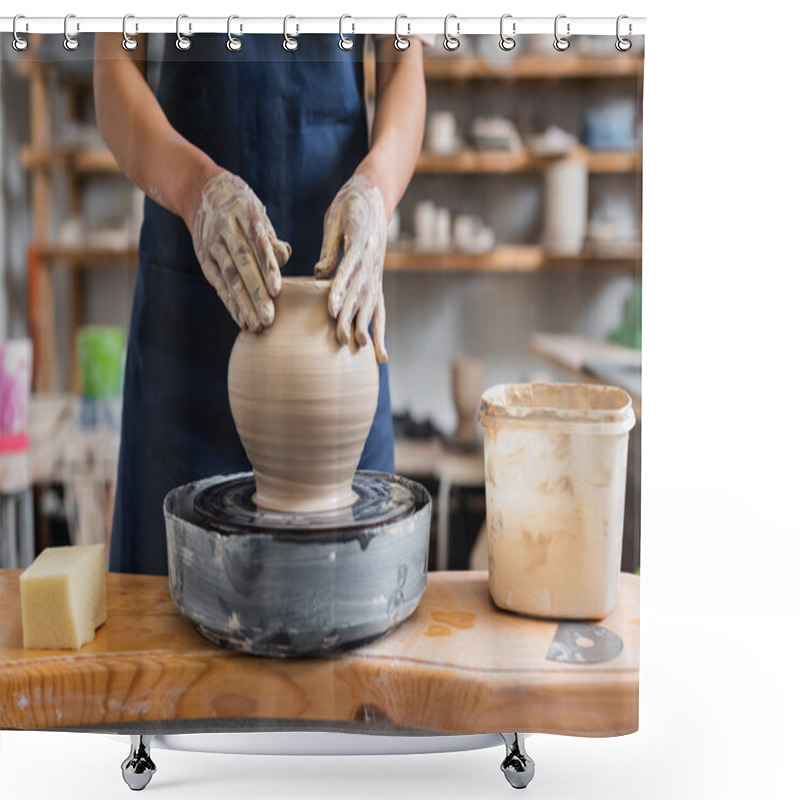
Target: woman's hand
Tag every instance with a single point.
(356, 223)
(238, 250)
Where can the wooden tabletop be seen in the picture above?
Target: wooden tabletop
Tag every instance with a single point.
(458, 665)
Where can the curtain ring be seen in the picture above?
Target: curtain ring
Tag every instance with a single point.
(345, 42)
(233, 44)
(507, 42)
(70, 42)
(182, 42)
(400, 42)
(623, 45)
(289, 43)
(128, 42)
(19, 44)
(451, 43)
(561, 43)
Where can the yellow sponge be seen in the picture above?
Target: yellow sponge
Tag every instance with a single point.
(63, 597)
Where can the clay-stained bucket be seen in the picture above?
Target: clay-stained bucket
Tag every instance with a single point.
(556, 457)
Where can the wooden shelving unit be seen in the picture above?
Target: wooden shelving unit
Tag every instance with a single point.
(500, 162)
(502, 71)
(44, 157)
(555, 67)
(504, 259)
(501, 259)
(473, 162)
(87, 257)
(81, 160)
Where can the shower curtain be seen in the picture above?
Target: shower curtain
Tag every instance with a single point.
(480, 198)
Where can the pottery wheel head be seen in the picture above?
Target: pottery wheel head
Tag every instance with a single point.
(227, 506)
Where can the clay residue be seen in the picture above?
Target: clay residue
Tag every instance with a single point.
(561, 485)
(437, 630)
(463, 620)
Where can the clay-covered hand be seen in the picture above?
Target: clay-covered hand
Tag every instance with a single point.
(356, 223)
(239, 251)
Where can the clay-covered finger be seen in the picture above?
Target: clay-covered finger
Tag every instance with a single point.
(331, 239)
(268, 257)
(213, 274)
(274, 279)
(250, 275)
(363, 318)
(346, 280)
(283, 252)
(344, 321)
(379, 330)
(282, 249)
(253, 320)
(234, 284)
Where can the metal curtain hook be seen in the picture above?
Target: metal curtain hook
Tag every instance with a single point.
(400, 42)
(507, 42)
(182, 42)
(128, 42)
(19, 44)
(70, 42)
(561, 43)
(289, 43)
(623, 45)
(450, 42)
(233, 44)
(345, 42)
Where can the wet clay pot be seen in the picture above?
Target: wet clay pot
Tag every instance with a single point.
(303, 404)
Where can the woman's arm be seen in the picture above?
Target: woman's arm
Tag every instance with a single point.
(166, 167)
(235, 243)
(357, 218)
(399, 123)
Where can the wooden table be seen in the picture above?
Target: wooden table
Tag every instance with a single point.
(458, 665)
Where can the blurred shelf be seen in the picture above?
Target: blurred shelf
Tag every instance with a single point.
(506, 259)
(532, 67)
(466, 162)
(80, 159)
(502, 162)
(592, 257)
(82, 257)
(614, 162)
(503, 258)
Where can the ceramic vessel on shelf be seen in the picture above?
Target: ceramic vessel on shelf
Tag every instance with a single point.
(303, 404)
(467, 379)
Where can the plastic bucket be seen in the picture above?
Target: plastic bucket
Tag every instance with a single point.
(556, 459)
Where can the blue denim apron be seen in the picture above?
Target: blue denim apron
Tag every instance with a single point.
(293, 126)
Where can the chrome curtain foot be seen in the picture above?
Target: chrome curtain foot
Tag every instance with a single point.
(138, 768)
(517, 766)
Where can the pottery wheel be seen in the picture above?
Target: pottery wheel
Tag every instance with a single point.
(227, 505)
(276, 584)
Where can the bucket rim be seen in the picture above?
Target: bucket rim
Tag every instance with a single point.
(589, 405)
